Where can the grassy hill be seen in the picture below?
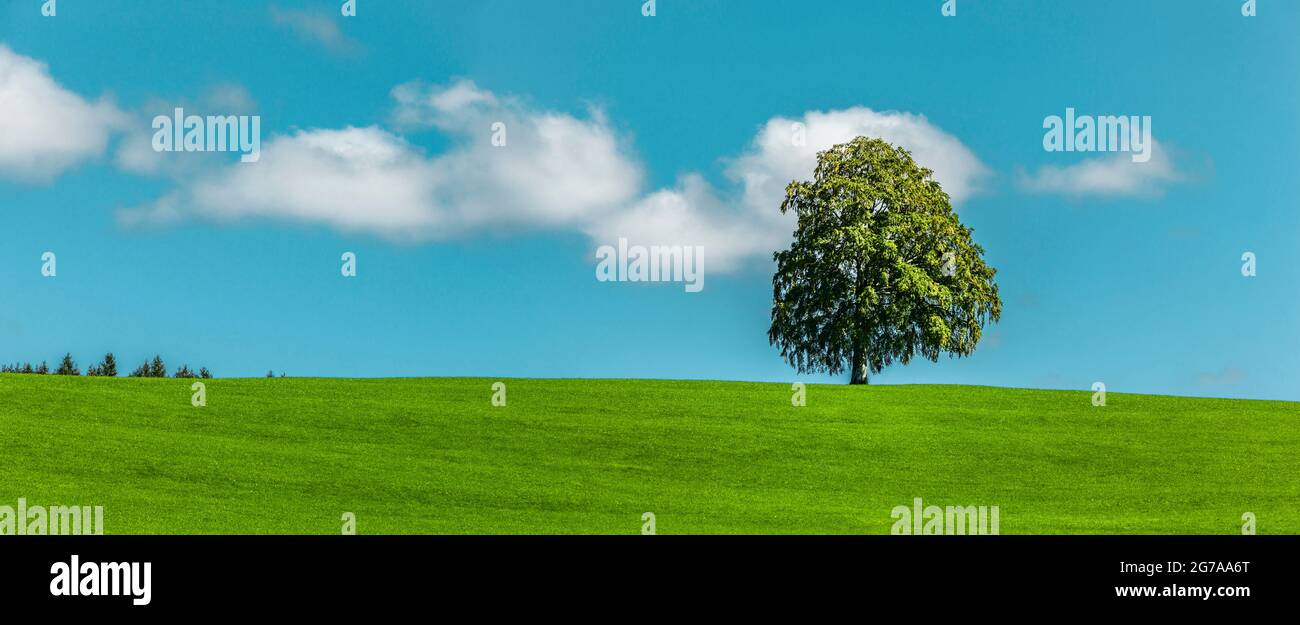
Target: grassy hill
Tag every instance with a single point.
(582, 456)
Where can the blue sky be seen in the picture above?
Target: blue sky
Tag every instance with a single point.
(1108, 272)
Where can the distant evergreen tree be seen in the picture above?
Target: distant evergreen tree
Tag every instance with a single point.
(108, 368)
(270, 374)
(67, 366)
(154, 368)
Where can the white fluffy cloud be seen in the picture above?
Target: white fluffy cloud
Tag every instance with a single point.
(1112, 175)
(556, 171)
(354, 179)
(744, 222)
(44, 128)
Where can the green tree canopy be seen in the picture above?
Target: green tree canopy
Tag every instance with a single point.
(881, 269)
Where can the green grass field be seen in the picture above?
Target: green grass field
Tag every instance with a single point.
(588, 456)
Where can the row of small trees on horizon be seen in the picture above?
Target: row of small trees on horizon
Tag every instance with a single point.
(107, 368)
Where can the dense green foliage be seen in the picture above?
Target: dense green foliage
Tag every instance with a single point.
(881, 269)
(577, 456)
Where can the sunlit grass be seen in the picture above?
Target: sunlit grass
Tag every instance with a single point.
(590, 456)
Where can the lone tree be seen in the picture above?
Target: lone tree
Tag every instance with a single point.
(880, 269)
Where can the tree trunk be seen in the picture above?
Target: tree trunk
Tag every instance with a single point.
(859, 369)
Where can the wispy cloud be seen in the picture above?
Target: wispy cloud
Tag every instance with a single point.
(1229, 376)
(1106, 176)
(320, 27)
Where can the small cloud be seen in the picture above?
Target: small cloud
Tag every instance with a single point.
(320, 28)
(421, 106)
(1230, 376)
(1107, 176)
(229, 99)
